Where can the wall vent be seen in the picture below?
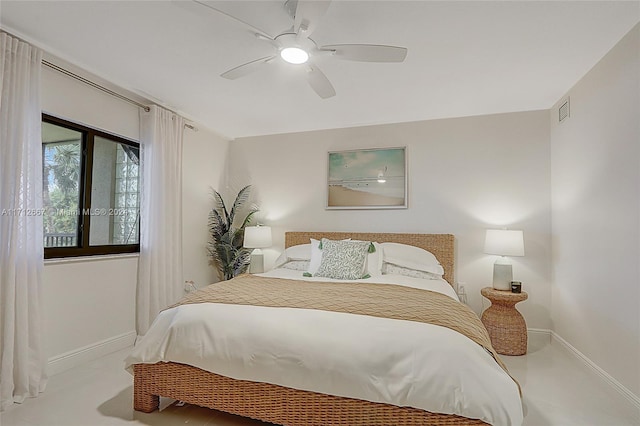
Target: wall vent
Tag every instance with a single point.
(563, 111)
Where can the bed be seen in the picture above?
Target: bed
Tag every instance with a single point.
(289, 396)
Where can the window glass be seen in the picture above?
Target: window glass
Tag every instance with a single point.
(90, 190)
(114, 193)
(61, 184)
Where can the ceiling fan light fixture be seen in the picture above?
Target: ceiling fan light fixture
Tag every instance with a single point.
(294, 55)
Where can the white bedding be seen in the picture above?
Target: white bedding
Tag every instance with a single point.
(392, 361)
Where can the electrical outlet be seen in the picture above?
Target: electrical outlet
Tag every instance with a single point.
(189, 286)
(462, 293)
(460, 287)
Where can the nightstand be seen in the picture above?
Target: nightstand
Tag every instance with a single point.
(506, 326)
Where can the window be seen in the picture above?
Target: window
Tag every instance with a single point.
(91, 191)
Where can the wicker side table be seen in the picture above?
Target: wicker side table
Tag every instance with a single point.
(506, 326)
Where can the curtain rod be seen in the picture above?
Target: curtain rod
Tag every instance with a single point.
(104, 89)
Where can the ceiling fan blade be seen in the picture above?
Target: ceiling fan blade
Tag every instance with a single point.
(253, 28)
(368, 52)
(308, 14)
(320, 83)
(245, 69)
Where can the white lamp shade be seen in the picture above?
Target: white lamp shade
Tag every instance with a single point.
(257, 236)
(504, 242)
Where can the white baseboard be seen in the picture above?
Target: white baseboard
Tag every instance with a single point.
(67, 360)
(606, 377)
(540, 332)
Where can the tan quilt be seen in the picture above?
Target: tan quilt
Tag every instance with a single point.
(379, 300)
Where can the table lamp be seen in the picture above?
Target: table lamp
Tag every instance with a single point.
(503, 243)
(257, 237)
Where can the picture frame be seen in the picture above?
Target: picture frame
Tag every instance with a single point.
(373, 178)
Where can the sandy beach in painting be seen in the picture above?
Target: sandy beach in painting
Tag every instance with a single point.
(344, 197)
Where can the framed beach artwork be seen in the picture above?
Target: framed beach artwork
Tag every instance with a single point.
(368, 179)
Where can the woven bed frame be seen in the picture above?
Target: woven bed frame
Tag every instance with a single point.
(287, 406)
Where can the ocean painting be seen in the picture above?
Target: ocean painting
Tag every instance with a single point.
(367, 179)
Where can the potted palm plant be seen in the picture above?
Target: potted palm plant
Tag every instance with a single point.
(226, 240)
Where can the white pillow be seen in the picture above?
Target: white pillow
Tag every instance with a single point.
(299, 252)
(316, 256)
(411, 257)
(374, 261)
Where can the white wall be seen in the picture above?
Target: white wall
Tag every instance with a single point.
(90, 302)
(595, 171)
(465, 175)
(89, 308)
(203, 156)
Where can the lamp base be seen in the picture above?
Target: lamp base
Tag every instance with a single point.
(502, 276)
(257, 263)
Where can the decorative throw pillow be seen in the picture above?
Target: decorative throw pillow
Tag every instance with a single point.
(296, 265)
(316, 255)
(343, 260)
(391, 269)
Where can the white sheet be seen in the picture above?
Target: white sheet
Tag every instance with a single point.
(399, 362)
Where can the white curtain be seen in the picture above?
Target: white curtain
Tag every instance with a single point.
(22, 359)
(160, 281)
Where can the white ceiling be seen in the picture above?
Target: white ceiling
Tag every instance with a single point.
(465, 58)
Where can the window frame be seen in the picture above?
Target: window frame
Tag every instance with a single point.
(84, 203)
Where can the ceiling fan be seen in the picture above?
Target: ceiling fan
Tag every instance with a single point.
(297, 48)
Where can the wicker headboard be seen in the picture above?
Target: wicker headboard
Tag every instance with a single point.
(441, 245)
